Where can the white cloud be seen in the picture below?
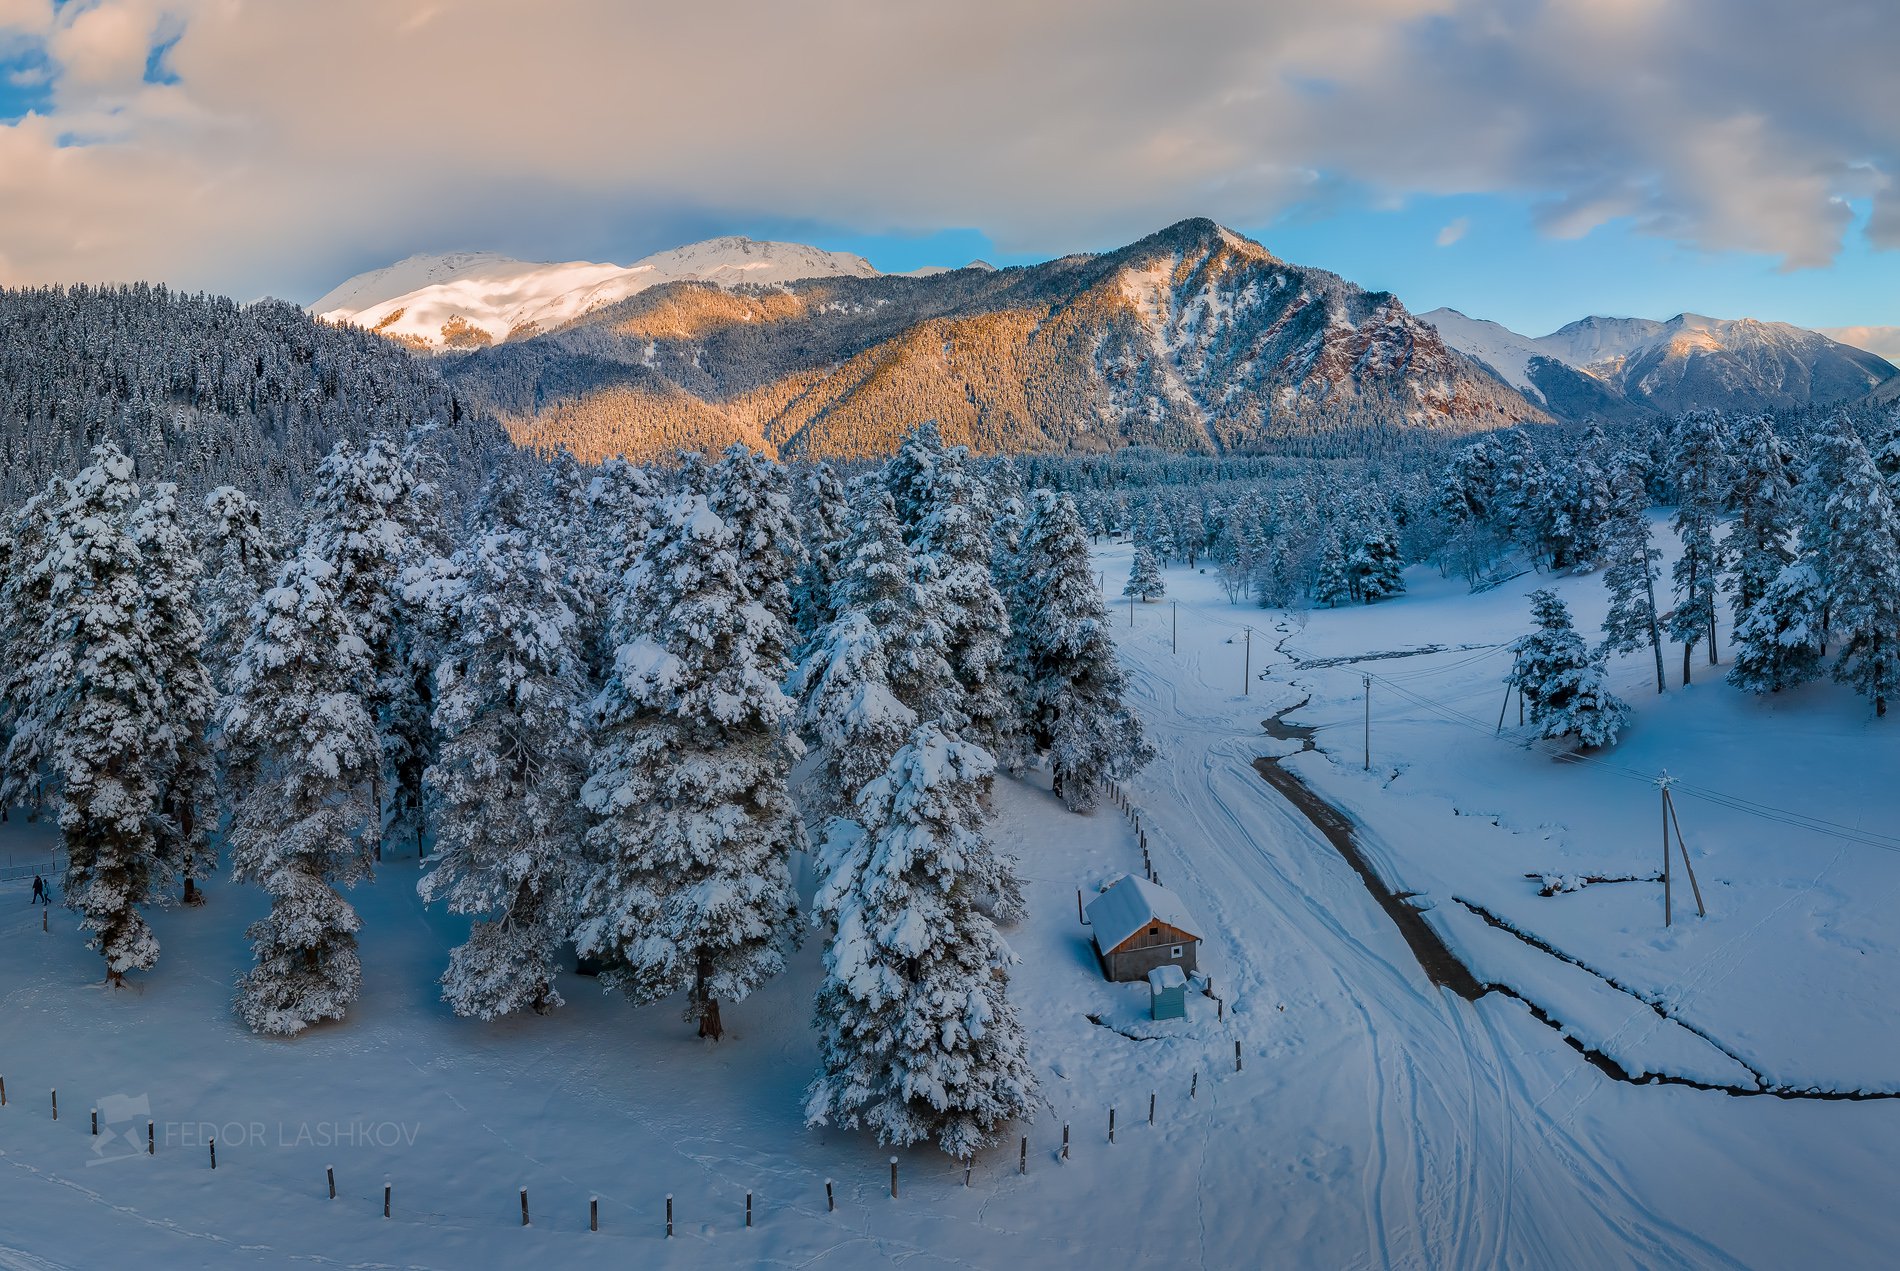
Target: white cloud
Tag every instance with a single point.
(1884, 341)
(301, 139)
(1453, 231)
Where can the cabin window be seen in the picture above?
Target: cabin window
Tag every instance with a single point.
(1175, 952)
(1154, 931)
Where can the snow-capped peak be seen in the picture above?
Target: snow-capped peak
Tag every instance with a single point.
(463, 298)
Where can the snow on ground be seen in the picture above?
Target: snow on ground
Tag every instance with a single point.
(1378, 1120)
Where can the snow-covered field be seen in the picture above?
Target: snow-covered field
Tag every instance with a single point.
(1377, 1121)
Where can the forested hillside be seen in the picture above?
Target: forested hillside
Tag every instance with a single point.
(204, 391)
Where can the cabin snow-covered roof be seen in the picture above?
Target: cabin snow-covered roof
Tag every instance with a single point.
(1167, 976)
(1131, 903)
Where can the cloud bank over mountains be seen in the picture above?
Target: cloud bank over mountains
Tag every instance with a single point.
(192, 140)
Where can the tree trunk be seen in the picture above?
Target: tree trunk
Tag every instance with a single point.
(1655, 635)
(705, 1006)
(1687, 649)
(191, 896)
(1714, 657)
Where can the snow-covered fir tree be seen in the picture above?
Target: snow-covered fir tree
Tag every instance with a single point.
(28, 565)
(824, 516)
(685, 884)
(304, 753)
(878, 668)
(1762, 494)
(1777, 642)
(957, 553)
(1073, 708)
(506, 780)
(102, 706)
(1565, 688)
(1144, 577)
(240, 561)
(1585, 504)
(1702, 485)
(911, 474)
(1631, 567)
(373, 516)
(1333, 586)
(620, 504)
(1375, 569)
(1863, 586)
(917, 1035)
(181, 747)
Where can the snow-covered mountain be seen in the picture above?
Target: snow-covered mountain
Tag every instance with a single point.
(1193, 338)
(473, 299)
(1615, 366)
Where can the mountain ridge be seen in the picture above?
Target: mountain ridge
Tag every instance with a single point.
(1191, 338)
(1614, 367)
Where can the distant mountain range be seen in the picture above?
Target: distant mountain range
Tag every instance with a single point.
(1194, 338)
(1619, 367)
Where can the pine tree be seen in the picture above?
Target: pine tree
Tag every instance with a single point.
(912, 473)
(1564, 687)
(1764, 502)
(1778, 641)
(1585, 499)
(181, 745)
(1375, 569)
(687, 883)
(105, 712)
(1701, 481)
(305, 751)
(1630, 567)
(916, 1032)
(241, 561)
(28, 642)
(957, 564)
(620, 502)
(1334, 585)
(506, 780)
(1074, 707)
(1144, 577)
(374, 517)
(824, 517)
(1831, 451)
(878, 668)
(1864, 581)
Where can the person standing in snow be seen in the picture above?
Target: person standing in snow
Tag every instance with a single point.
(39, 892)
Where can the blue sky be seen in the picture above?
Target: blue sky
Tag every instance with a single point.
(1500, 267)
(1530, 161)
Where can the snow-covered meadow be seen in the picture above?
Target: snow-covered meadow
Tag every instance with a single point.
(1377, 1120)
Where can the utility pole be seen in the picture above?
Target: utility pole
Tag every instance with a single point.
(1174, 631)
(1669, 819)
(1246, 667)
(1367, 679)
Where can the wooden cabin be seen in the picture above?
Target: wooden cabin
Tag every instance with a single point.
(1139, 926)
